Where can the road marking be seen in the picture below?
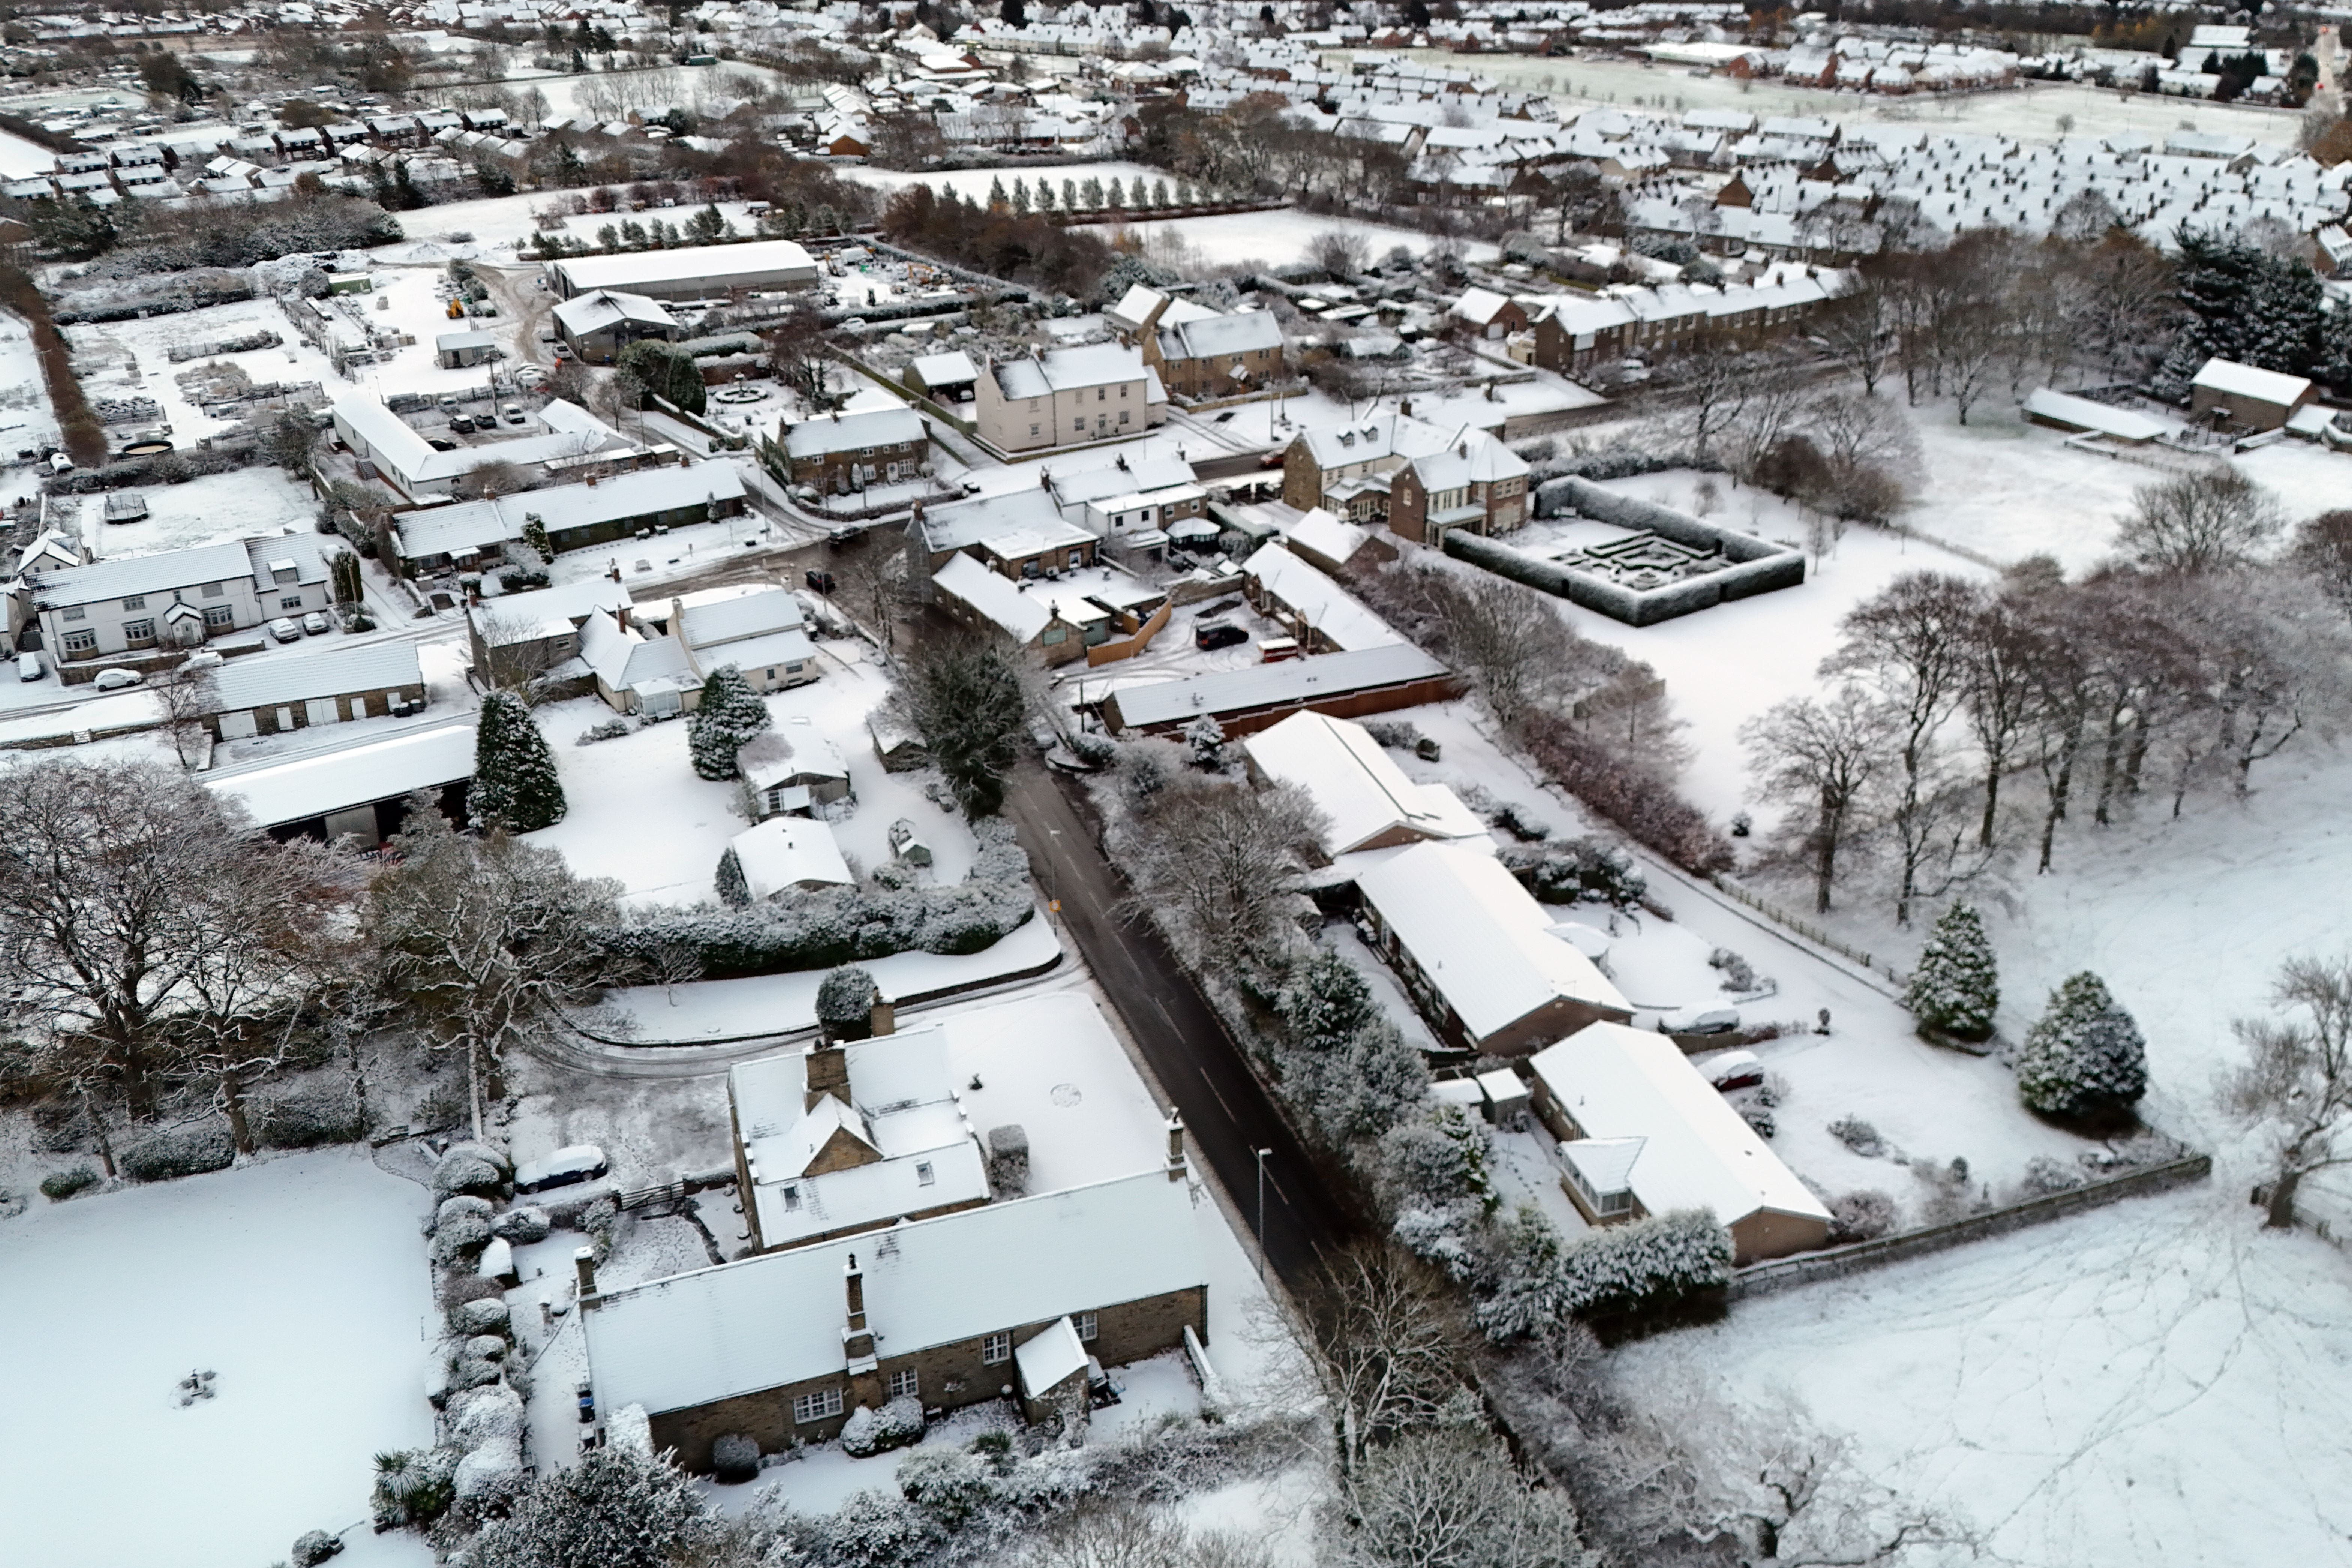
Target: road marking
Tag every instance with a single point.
(1220, 1099)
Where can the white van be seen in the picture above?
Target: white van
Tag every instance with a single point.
(28, 667)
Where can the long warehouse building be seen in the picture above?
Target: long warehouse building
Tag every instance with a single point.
(696, 272)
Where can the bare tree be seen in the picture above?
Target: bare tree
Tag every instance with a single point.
(1435, 1500)
(487, 939)
(1127, 1535)
(489, 479)
(2200, 523)
(188, 697)
(1710, 386)
(1821, 759)
(2323, 551)
(1340, 252)
(2000, 697)
(2296, 1080)
(1383, 1346)
(1858, 331)
(1220, 863)
(872, 580)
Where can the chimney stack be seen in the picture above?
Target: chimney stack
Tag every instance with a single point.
(854, 1280)
(1175, 1146)
(827, 1070)
(584, 1264)
(883, 1016)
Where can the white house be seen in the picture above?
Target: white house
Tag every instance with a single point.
(1068, 397)
(1365, 798)
(1642, 1133)
(764, 635)
(179, 597)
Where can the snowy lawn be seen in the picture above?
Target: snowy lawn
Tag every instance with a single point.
(2153, 1382)
(297, 1280)
(243, 504)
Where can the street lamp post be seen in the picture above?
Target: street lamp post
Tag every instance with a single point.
(1262, 1154)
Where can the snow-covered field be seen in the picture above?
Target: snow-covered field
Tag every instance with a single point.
(1274, 238)
(2029, 112)
(298, 1282)
(243, 504)
(123, 359)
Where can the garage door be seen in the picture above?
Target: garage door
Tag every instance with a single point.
(237, 726)
(321, 710)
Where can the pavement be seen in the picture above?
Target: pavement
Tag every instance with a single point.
(1198, 1064)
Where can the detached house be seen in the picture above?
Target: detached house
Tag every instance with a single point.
(764, 636)
(1348, 471)
(1068, 397)
(1200, 353)
(179, 598)
(1480, 485)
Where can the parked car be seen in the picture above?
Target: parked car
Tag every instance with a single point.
(1210, 635)
(531, 375)
(562, 352)
(285, 630)
(821, 581)
(579, 1163)
(115, 680)
(439, 445)
(514, 414)
(1699, 1021)
(1733, 1069)
(28, 667)
(461, 424)
(315, 624)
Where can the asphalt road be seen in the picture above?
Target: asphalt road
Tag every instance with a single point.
(1225, 1110)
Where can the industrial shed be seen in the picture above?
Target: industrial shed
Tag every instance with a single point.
(269, 696)
(361, 792)
(694, 272)
(1344, 685)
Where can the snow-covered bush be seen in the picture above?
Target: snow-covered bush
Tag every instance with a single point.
(872, 1531)
(1144, 770)
(1528, 1294)
(413, 1485)
(1401, 733)
(612, 1510)
(1437, 1158)
(601, 1221)
(1759, 1117)
(460, 1237)
(734, 890)
(849, 925)
(1739, 974)
(313, 1547)
(1442, 1235)
(1096, 751)
(1956, 986)
(60, 1185)
(1206, 738)
(309, 1117)
(2044, 1175)
(951, 1485)
(869, 1431)
(1859, 1136)
(1648, 1267)
(2083, 1057)
(608, 730)
(1578, 870)
(735, 1457)
(730, 713)
(462, 1172)
(1522, 824)
(179, 1152)
(488, 1475)
(464, 1203)
(1863, 1216)
(522, 1225)
(845, 1004)
(487, 1315)
(480, 1416)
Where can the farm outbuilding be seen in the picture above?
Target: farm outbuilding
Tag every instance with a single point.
(2242, 396)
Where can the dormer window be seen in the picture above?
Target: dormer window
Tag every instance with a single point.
(792, 1199)
(924, 1176)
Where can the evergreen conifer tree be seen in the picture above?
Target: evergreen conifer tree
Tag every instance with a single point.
(1957, 985)
(515, 782)
(1044, 195)
(997, 199)
(730, 713)
(1021, 195)
(734, 891)
(534, 534)
(2085, 1056)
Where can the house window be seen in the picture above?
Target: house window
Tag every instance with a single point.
(1122, 415)
(81, 642)
(903, 1384)
(1033, 429)
(76, 613)
(924, 1176)
(1122, 392)
(816, 1406)
(217, 615)
(1102, 395)
(995, 1349)
(1085, 1322)
(142, 631)
(1079, 425)
(135, 601)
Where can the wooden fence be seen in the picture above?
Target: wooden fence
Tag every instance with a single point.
(1807, 929)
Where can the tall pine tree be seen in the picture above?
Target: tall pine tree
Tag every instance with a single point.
(1956, 986)
(730, 714)
(515, 782)
(2246, 305)
(2085, 1056)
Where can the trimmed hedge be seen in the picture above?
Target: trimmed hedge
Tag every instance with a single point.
(180, 1151)
(1762, 568)
(310, 1117)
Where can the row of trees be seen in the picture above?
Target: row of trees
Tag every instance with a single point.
(2178, 669)
(998, 241)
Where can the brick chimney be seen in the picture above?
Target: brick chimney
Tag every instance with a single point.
(1175, 1146)
(583, 1265)
(883, 1016)
(856, 1339)
(827, 1070)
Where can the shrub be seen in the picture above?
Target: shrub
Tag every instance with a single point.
(460, 1237)
(464, 1172)
(480, 1416)
(2044, 1175)
(521, 578)
(314, 1547)
(1956, 986)
(1578, 870)
(610, 730)
(1402, 733)
(522, 1225)
(179, 1152)
(613, 1509)
(845, 1004)
(1739, 974)
(1647, 1267)
(464, 1204)
(309, 1117)
(734, 890)
(869, 1431)
(1095, 750)
(413, 1485)
(486, 1315)
(60, 1185)
(2083, 1057)
(735, 1457)
(1859, 1136)
(1635, 799)
(871, 1530)
(1863, 1216)
(490, 1475)
(949, 1484)
(1516, 820)
(1759, 1117)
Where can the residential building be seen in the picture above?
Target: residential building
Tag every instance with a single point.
(178, 598)
(1058, 617)
(1479, 484)
(1366, 801)
(847, 452)
(1130, 502)
(1327, 544)
(469, 535)
(597, 325)
(763, 635)
(1348, 471)
(1068, 397)
(385, 446)
(793, 774)
(1479, 955)
(303, 688)
(636, 673)
(838, 1138)
(1346, 685)
(1223, 356)
(358, 795)
(784, 855)
(691, 272)
(518, 637)
(2227, 393)
(1644, 1133)
(785, 1346)
(1323, 616)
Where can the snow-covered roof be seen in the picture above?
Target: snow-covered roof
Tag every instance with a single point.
(1053, 1355)
(624, 659)
(771, 758)
(278, 793)
(299, 675)
(788, 852)
(1365, 798)
(1480, 937)
(1069, 370)
(720, 267)
(641, 493)
(1323, 534)
(1296, 681)
(2082, 414)
(1479, 306)
(712, 622)
(1696, 1152)
(2235, 380)
(901, 1104)
(544, 612)
(1317, 600)
(767, 1321)
(1214, 337)
(949, 369)
(602, 308)
(892, 426)
(1022, 616)
(157, 573)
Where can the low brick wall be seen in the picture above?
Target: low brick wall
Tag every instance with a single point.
(1838, 1262)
